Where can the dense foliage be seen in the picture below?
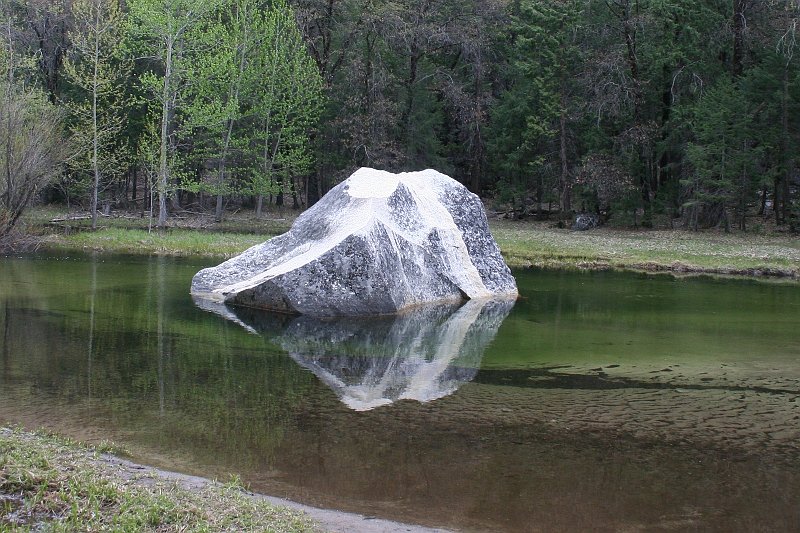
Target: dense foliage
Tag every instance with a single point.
(642, 111)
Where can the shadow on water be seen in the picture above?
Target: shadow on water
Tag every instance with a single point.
(603, 402)
(423, 354)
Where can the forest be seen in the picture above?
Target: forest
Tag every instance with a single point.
(677, 113)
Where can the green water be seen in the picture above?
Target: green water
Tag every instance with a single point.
(601, 401)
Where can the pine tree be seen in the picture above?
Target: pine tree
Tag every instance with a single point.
(530, 123)
(722, 157)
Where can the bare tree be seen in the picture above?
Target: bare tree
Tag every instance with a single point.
(33, 150)
(30, 134)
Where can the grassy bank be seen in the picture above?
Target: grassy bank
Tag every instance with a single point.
(522, 243)
(175, 241)
(50, 483)
(538, 244)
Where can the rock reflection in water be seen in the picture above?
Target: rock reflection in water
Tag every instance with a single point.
(423, 354)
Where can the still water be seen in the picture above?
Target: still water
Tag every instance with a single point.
(599, 401)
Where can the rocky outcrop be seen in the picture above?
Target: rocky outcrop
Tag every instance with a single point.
(377, 243)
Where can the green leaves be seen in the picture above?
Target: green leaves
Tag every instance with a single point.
(98, 71)
(246, 93)
(252, 100)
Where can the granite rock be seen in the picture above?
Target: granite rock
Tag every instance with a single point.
(377, 243)
(585, 222)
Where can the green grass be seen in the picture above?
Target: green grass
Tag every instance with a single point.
(51, 219)
(188, 234)
(536, 244)
(171, 242)
(50, 483)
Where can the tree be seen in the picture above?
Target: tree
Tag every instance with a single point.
(335, 32)
(330, 28)
(468, 72)
(287, 107)
(722, 157)
(421, 33)
(360, 121)
(253, 102)
(643, 60)
(33, 149)
(44, 37)
(217, 96)
(162, 28)
(530, 121)
(32, 144)
(787, 46)
(96, 68)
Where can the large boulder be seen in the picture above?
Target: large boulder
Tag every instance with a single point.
(377, 243)
(586, 221)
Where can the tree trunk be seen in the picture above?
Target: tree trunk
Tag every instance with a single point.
(166, 110)
(95, 133)
(478, 148)
(539, 192)
(787, 152)
(743, 202)
(295, 192)
(9, 194)
(233, 94)
(777, 192)
(146, 196)
(408, 110)
(781, 199)
(763, 204)
(629, 32)
(787, 201)
(565, 204)
(738, 24)
(134, 185)
(218, 205)
(222, 161)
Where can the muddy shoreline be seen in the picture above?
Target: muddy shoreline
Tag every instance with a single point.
(20, 509)
(330, 520)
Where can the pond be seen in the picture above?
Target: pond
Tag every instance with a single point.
(601, 400)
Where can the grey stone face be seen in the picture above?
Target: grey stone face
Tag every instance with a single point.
(376, 244)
